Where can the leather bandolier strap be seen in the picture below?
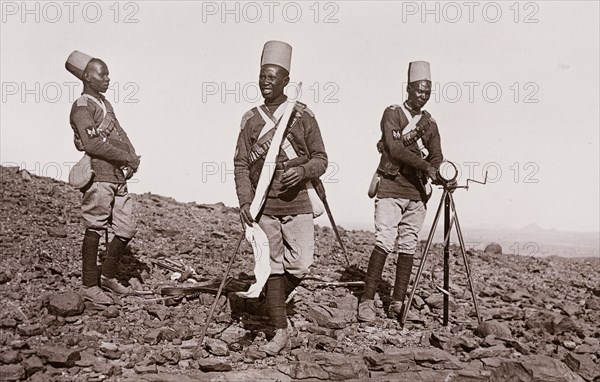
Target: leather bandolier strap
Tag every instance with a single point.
(260, 148)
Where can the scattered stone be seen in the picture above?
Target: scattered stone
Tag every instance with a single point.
(331, 318)
(493, 249)
(219, 234)
(111, 312)
(466, 343)
(8, 323)
(65, 304)
(186, 248)
(523, 349)
(340, 367)
(170, 355)
(30, 330)
(105, 368)
(565, 325)
(233, 334)
(12, 372)
(514, 296)
(168, 232)
(145, 369)
(86, 358)
(497, 351)
(436, 301)
(154, 336)
(5, 277)
(32, 365)
(186, 353)
(551, 322)
(534, 368)
(591, 303)
(112, 354)
(570, 308)
(406, 359)
(217, 347)
(495, 328)
(58, 356)
(583, 365)
(492, 362)
(9, 357)
(19, 344)
(211, 364)
(159, 311)
(587, 349)
(591, 341)
(56, 232)
(303, 370)
(252, 353)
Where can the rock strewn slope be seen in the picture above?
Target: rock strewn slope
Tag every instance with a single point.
(541, 315)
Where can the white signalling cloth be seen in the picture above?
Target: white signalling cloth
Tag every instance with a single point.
(262, 260)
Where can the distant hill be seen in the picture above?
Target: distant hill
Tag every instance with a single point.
(530, 240)
(535, 241)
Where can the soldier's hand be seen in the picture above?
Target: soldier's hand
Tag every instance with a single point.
(452, 185)
(292, 177)
(134, 162)
(245, 215)
(432, 173)
(129, 172)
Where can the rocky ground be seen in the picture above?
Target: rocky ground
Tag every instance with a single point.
(540, 315)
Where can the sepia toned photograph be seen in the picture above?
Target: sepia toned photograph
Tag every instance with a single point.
(300, 191)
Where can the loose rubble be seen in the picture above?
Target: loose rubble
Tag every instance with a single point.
(540, 315)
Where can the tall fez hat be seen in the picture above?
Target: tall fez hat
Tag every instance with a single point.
(77, 62)
(277, 53)
(419, 71)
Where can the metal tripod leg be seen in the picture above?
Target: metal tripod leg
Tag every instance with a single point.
(450, 221)
(464, 255)
(424, 257)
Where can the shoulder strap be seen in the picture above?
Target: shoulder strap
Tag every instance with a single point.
(107, 125)
(97, 101)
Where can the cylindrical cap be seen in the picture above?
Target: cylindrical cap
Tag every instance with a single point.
(419, 71)
(77, 62)
(277, 53)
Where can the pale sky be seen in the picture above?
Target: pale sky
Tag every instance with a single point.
(515, 91)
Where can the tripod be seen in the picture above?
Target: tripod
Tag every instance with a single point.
(449, 219)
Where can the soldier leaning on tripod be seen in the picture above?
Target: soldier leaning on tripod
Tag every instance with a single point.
(410, 153)
(113, 161)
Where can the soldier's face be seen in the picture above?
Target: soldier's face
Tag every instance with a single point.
(272, 80)
(418, 94)
(96, 76)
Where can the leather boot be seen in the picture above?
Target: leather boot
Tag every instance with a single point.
(116, 248)
(89, 255)
(374, 271)
(279, 342)
(403, 271)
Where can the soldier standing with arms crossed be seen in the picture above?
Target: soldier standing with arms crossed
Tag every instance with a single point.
(402, 194)
(106, 200)
(287, 214)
